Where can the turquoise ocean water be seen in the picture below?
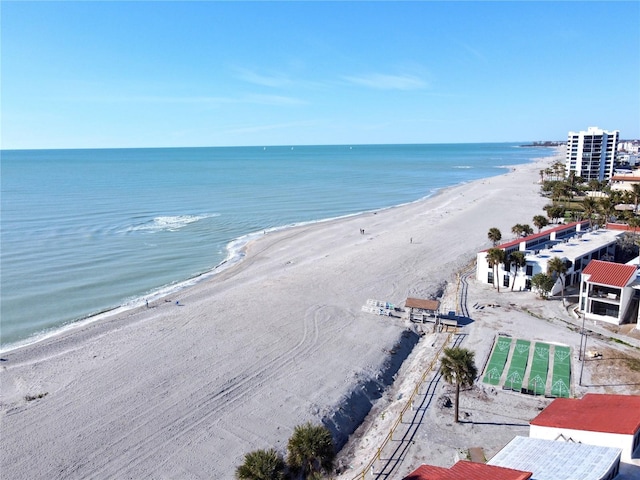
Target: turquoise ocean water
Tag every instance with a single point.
(85, 231)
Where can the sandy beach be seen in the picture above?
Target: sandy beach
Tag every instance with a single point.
(184, 390)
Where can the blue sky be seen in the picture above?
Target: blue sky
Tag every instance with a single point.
(162, 74)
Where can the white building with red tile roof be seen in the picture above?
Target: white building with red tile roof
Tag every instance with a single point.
(608, 293)
(595, 419)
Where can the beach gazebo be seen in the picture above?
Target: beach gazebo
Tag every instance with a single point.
(422, 310)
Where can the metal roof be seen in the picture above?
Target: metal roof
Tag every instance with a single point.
(595, 412)
(609, 273)
(423, 304)
(557, 460)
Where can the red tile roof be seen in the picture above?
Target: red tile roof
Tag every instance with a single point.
(623, 178)
(609, 273)
(464, 470)
(594, 413)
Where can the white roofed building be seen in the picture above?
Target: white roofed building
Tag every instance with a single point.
(574, 243)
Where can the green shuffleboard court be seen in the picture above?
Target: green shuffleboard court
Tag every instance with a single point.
(560, 383)
(539, 369)
(519, 360)
(497, 361)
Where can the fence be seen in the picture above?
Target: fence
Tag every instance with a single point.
(398, 421)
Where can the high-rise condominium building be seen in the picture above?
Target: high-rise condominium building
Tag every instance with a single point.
(591, 154)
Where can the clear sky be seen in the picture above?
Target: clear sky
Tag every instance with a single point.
(161, 74)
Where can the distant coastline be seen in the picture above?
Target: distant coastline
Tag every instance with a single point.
(546, 143)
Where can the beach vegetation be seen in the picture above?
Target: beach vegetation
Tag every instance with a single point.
(590, 208)
(262, 465)
(458, 368)
(557, 268)
(495, 257)
(543, 284)
(554, 212)
(517, 230)
(517, 260)
(606, 208)
(540, 221)
(311, 451)
(635, 195)
(495, 235)
(31, 398)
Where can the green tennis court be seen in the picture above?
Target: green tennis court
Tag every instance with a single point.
(560, 384)
(518, 365)
(497, 361)
(539, 369)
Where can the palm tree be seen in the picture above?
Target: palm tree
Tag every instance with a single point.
(457, 366)
(634, 223)
(526, 230)
(311, 450)
(495, 256)
(517, 230)
(262, 465)
(607, 208)
(635, 194)
(590, 207)
(540, 221)
(494, 235)
(557, 267)
(518, 260)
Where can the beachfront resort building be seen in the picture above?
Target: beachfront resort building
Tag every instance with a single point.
(591, 154)
(609, 292)
(575, 243)
(595, 419)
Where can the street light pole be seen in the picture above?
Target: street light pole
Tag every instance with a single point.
(580, 355)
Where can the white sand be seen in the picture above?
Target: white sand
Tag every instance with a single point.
(277, 340)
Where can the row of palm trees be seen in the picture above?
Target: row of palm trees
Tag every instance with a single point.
(310, 454)
(543, 282)
(519, 230)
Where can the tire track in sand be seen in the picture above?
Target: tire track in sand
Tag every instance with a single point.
(202, 408)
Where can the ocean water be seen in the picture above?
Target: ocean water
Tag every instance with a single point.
(87, 231)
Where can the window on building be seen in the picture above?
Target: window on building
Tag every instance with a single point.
(529, 270)
(505, 281)
(490, 278)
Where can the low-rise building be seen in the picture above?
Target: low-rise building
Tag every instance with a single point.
(553, 460)
(607, 292)
(575, 243)
(595, 419)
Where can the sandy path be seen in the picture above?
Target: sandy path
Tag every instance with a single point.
(274, 341)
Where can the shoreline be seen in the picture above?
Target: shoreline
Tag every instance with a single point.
(236, 249)
(271, 342)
